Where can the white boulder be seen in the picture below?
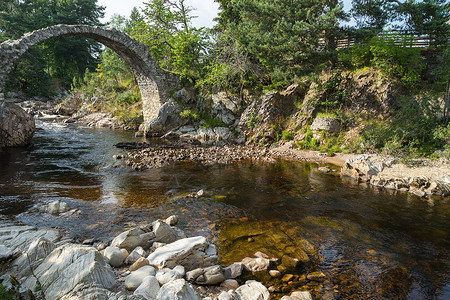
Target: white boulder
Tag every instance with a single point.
(134, 280)
(253, 290)
(191, 253)
(178, 289)
(149, 288)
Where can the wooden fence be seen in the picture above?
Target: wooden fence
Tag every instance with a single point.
(399, 38)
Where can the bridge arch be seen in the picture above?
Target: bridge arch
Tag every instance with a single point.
(154, 83)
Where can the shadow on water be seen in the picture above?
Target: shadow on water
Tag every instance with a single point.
(368, 243)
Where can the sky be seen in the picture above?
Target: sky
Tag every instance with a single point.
(206, 10)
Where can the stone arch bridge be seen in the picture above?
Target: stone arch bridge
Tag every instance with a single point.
(155, 84)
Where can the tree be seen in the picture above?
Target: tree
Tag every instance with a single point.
(288, 37)
(64, 58)
(426, 17)
(165, 27)
(371, 14)
(421, 16)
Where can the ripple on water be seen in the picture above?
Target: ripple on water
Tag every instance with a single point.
(368, 243)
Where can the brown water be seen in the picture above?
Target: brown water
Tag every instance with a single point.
(368, 243)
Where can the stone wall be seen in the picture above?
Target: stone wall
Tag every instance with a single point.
(155, 84)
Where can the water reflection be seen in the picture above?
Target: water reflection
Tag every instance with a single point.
(369, 243)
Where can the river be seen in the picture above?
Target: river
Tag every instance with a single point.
(369, 243)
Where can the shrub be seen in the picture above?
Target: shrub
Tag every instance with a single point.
(190, 115)
(399, 62)
(393, 56)
(287, 136)
(310, 142)
(414, 129)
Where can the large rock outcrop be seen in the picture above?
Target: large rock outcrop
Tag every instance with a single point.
(259, 117)
(68, 266)
(17, 127)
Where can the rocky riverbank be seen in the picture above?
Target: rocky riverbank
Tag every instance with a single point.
(422, 178)
(154, 261)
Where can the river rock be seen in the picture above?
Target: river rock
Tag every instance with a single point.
(57, 207)
(178, 289)
(141, 262)
(36, 253)
(172, 220)
(304, 295)
(258, 118)
(149, 288)
(164, 233)
(253, 290)
(206, 276)
(21, 237)
(318, 275)
(17, 127)
(291, 264)
(133, 238)
(135, 279)
(233, 271)
(256, 264)
(438, 189)
(137, 253)
(89, 292)
(229, 284)
(114, 255)
(69, 106)
(229, 295)
(191, 253)
(167, 275)
(275, 273)
(68, 266)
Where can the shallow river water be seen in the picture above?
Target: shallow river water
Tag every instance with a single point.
(369, 243)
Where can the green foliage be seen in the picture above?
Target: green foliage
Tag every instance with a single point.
(28, 75)
(190, 115)
(212, 122)
(396, 60)
(356, 57)
(38, 288)
(372, 14)
(309, 142)
(131, 116)
(333, 91)
(252, 120)
(287, 136)
(283, 36)
(403, 63)
(165, 27)
(129, 97)
(414, 130)
(62, 58)
(4, 294)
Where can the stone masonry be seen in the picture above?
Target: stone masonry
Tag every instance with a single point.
(155, 84)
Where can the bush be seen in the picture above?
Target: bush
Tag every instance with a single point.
(334, 92)
(310, 142)
(188, 114)
(393, 56)
(403, 63)
(414, 130)
(287, 136)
